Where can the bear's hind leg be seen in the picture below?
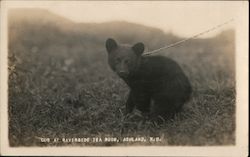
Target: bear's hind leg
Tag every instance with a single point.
(165, 107)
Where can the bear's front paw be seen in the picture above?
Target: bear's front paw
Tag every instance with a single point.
(128, 109)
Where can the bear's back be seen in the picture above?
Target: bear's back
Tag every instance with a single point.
(157, 73)
(156, 67)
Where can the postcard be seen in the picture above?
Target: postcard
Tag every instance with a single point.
(150, 78)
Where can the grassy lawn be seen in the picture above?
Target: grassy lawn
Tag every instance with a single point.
(60, 86)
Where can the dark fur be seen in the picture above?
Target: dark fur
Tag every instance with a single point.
(155, 79)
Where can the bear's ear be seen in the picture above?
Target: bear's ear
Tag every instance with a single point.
(110, 45)
(138, 48)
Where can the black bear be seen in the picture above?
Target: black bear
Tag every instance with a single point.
(158, 86)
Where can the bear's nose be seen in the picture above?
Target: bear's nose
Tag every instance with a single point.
(122, 73)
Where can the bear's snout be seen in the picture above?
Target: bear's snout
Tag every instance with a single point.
(123, 74)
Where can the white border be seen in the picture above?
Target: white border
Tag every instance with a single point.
(240, 149)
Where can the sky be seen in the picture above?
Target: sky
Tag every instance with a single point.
(183, 18)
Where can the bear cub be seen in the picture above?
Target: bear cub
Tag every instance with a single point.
(158, 86)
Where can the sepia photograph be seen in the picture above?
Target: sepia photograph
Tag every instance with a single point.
(124, 74)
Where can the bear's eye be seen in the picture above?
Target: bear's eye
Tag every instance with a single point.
(126, 61)
(117, 60)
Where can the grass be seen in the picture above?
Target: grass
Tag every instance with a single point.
(62, 91)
